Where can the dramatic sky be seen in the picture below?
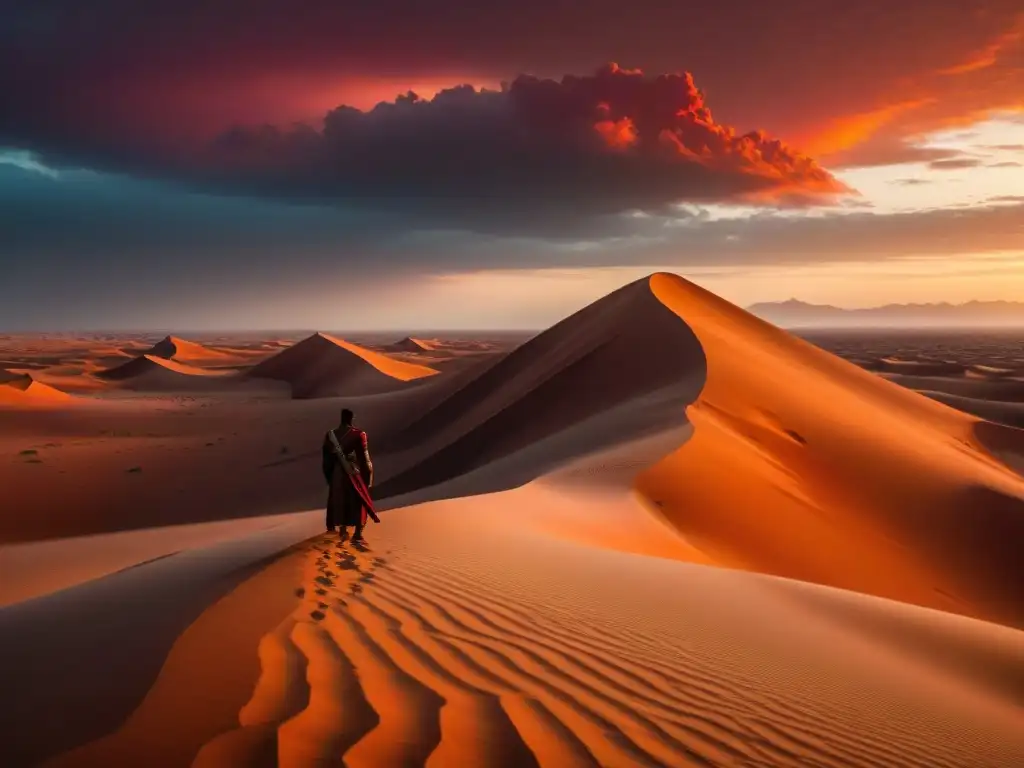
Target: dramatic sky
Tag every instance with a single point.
(400, 164)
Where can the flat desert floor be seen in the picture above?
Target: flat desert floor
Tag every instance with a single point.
(661, 532)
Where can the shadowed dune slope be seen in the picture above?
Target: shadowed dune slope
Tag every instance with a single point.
(323, 366)
(619, 349)
(803, 465)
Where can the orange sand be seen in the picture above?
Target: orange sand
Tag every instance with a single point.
(806, 466)
(25, 391)
(474, 634)
(580, 617)
(180, 350)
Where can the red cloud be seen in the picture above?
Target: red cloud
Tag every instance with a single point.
(603, 143)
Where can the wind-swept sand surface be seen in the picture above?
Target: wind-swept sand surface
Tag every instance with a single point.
(476, 632)
(660, 533)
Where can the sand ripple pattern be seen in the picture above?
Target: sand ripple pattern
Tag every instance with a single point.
(403, 659)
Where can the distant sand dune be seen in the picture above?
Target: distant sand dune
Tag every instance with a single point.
(24, 390)
(922, 367)
(173, 348)
(977, 386)
(990, 372)
(149, 373)
(409, 344)
(322, 366)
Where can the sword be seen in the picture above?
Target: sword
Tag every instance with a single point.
(354, 477)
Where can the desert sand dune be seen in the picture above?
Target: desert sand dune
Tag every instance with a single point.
(322, 366)
(173, 348)
(990, 372)
(605, 355)
(24, 390)
(922, 367)
(1010, 414)
(978, 388)
(581, 618)
(805, 466)
(157, 374)
(410, 344)
(215, 356)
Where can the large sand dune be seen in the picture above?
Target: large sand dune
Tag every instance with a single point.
(321, 366)
(806, 466)
(606, 355)
(580, 618)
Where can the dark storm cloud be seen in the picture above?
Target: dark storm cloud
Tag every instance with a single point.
(611, 141)
(522, 158)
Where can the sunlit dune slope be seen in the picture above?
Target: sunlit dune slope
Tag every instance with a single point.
(472, 636)
(623, 347)
(23, 390)
(806, 466)
(322, 366)
(173, 348)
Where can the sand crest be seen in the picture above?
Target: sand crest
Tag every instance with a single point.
(180, 350)
(321, 366)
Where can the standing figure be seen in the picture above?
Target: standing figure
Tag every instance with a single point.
(349, 474)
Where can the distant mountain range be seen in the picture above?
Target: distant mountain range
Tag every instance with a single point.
(799, 314)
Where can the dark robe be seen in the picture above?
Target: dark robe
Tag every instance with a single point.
(344, 506)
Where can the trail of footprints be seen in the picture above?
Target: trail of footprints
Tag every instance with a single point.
(411, 664)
